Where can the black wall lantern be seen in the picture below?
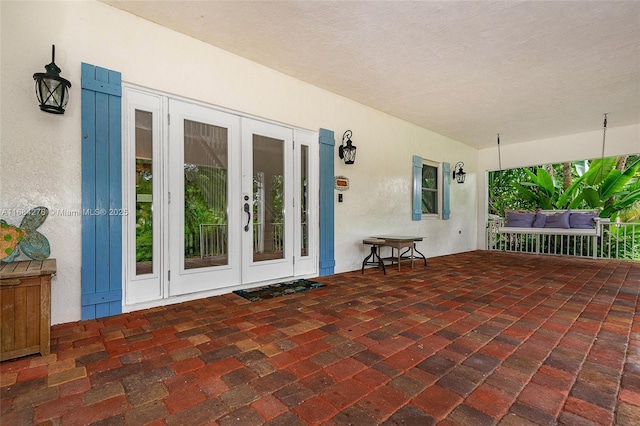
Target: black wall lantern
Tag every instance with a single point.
(347, 152)
(458, 173)
(51, 89)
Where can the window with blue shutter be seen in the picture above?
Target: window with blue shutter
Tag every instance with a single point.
(428, 189)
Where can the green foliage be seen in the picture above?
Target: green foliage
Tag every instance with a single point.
(502, 196)
(204, 203)
(277, 198)
(144, 233)
(144, 224)
(595, 184)
(541, 189)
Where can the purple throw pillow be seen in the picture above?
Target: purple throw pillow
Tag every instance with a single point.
(520, 220)
(582, 220)
(558, 220)
(540, 220)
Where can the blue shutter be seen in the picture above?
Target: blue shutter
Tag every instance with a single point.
(446, 189)
(101, 192)
(327, 254)
(416, 211)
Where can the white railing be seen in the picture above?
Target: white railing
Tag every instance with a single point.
(614, 241)
(213, 239)
(259, 238)
(277, 234)
(620, 241)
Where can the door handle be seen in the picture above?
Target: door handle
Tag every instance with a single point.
(247, 210)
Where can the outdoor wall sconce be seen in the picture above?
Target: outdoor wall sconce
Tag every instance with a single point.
(347, 152)
(458, 173)
(51, 89)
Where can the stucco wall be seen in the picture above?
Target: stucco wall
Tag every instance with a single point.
(40, 153)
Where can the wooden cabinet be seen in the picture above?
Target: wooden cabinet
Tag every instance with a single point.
(25, 298)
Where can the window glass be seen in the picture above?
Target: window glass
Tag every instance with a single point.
(429, 189)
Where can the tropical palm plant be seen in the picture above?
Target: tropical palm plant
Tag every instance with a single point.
(598, 184)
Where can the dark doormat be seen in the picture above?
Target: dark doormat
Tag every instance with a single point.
(280, 289)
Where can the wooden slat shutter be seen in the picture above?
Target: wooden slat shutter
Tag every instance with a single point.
(446, 190)
(327, 220)
(416, 210)
(101, 192)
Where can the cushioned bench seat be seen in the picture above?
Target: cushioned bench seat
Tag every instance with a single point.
(553, 222)
(549, 231)
(568, 227)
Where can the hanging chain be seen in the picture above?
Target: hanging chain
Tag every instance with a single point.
(499, 156)
(604, 136)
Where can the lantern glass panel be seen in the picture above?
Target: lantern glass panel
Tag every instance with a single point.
(349, 155)
(52, 94)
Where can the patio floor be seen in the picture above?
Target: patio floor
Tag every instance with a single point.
(478, 338)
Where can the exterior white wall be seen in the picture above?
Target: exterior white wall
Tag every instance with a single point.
(621, 140)
(40, 153)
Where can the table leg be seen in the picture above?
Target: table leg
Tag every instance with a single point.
(415, 249)
(412, 257)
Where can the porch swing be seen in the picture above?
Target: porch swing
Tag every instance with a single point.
(573, 232)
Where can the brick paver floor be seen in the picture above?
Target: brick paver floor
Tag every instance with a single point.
(478, 338)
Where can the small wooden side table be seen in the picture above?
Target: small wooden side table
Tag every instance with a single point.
(398, 243)
(415, 254)
(25, 298)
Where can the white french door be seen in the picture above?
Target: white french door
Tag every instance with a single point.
(218, 201)
(204, 203)
(267, 198)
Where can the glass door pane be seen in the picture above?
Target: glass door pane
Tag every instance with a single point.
(206, 236)
(304, 200)
(144, 192)
(268, 198)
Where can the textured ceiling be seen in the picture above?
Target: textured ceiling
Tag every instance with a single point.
(467, 70)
